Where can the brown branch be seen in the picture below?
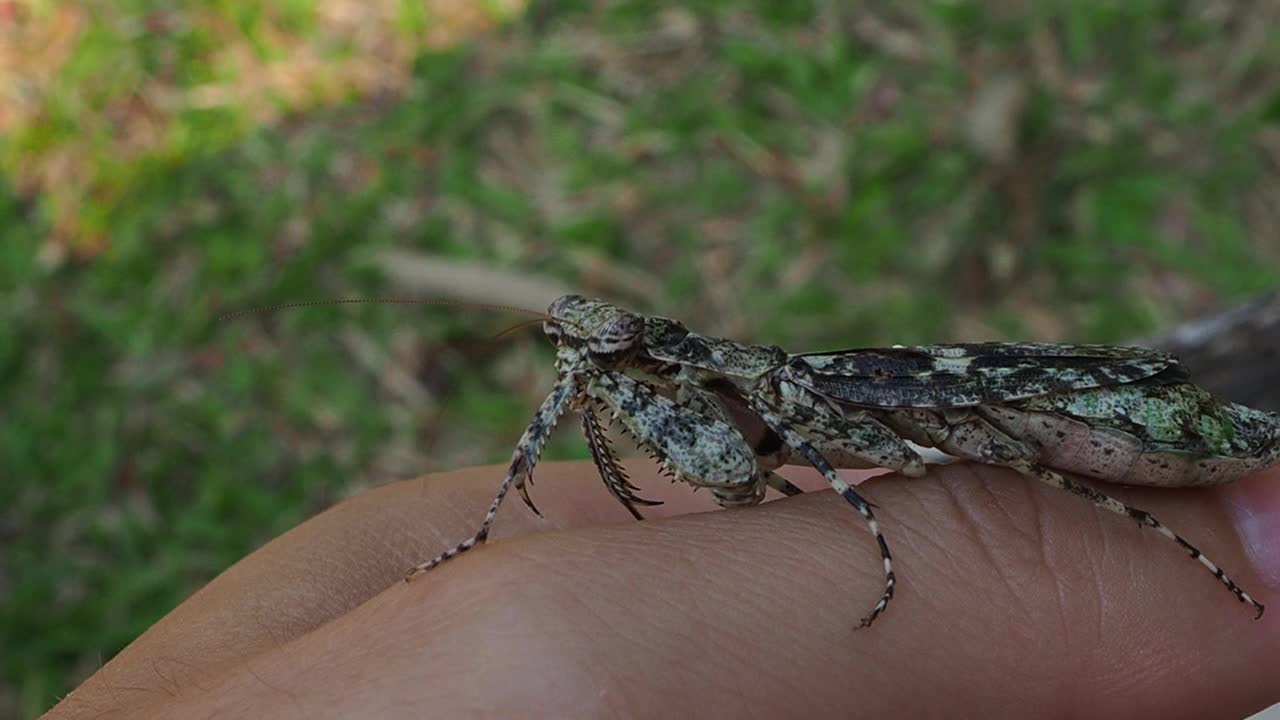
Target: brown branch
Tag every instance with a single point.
(1234, 354)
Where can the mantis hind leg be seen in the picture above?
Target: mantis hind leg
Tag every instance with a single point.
(974, 438)
(1144, 518)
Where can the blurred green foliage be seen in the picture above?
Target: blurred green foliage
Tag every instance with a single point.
(805, 173)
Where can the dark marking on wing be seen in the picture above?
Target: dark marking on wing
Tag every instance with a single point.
(966, 374)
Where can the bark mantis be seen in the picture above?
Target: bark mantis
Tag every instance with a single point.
(1117, 414)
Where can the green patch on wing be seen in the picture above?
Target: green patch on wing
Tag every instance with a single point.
(1218, 432)
(1164, 418)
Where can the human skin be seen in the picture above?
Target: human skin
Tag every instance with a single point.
(1014, 599)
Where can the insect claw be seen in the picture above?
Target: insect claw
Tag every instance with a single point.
(524, 494)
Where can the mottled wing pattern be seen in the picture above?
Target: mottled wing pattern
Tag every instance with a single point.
(967, 374)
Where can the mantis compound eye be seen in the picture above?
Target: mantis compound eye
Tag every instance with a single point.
(553, 331)
(564, 305)
(616, 340)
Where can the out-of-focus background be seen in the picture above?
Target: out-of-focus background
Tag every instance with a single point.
(813, 174)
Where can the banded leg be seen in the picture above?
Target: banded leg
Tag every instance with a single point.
(778, 423)
(782, 485)
(973, 437)
(846, 436)
(1144, 518)
(523, 459)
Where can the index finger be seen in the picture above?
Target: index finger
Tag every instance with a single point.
(340, 558)
(1014, 596)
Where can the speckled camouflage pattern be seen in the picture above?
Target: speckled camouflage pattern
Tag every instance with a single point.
(1118, 414)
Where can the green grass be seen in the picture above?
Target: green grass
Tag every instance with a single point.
(773, 171)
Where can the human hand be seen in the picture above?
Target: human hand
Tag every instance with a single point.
(1013, 600)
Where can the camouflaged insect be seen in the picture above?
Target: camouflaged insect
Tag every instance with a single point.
(1118, 414)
